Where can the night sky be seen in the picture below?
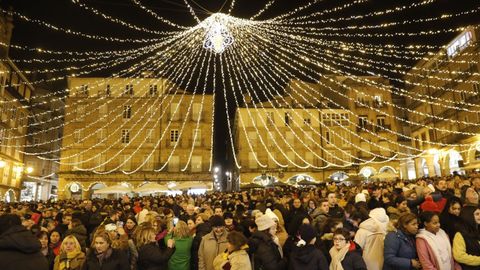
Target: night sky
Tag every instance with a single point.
(67, 14)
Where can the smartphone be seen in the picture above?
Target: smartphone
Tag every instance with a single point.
(175, 221)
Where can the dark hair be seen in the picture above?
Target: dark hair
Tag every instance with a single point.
(344, 232)
(7, 221)
(468, 226)
(404, 219)
(237, 239)
(330, 224)
(41, 234)
(399, 200)
(426, 217)
(451, 201)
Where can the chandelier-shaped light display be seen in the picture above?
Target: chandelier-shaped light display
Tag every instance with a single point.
(218, 37)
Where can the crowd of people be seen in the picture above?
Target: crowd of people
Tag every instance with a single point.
(429, 223)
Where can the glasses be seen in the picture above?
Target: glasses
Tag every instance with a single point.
(338, 239)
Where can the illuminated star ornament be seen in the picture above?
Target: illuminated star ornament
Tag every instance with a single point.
(217, 38)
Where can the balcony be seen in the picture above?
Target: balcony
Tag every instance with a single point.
(365, 128)
(383, 128)
(362, 104)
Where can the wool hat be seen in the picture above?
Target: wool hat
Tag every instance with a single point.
(306, 232)
(217, 221)
(264, 222)
(360, 197)
(271, 214)
(429, 205)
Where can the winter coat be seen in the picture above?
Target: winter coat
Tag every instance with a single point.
(353, 259)
(209, 248)
(238, 260)
(20, 250)
(80, 232)
(201, 230)
(307, 257)
(319, 218)
(371, 236)
(448, 222)
(336, 212)
(265, 253)
(50, 258)
(426, 253)
(466, 251)
(294, 220)
(180, 259)
(118, 260)
(75, 263)
(151, 257)
(399, 250)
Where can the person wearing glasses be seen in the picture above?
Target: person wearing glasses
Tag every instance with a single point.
(346, 254)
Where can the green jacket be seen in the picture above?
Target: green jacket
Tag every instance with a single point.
(180, 259)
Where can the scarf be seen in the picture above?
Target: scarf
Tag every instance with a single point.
(104, 256)
(440, 245)
(65, 259)
(338, 256)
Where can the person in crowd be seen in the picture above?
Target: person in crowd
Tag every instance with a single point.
(304, 255)
(71, 256)
(469, 196)
(212, 243)
(370, 237)
(55, 242)
(466, 243)
(76, 228)
(19, 248)
(46, 250)
(311, 206)
(181, 258)
(400, 252)
(376, 200)
(334, 210)
(401, 207)
(150, 255)
(345, 254)
(63, 227)
(281, 232)
(130, 225)
(236, 256)
(433, 246)
(295, 217)
(451, 216)
(229, 222)
(103, 256)
(192, 226)
(264, 246)
(325, 241)
(320, 215)
(201, 229)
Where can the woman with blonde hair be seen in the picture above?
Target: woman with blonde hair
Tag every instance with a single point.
(180, 259)
(150, 255)
(71, 256)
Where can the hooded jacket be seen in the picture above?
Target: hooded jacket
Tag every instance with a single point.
(307, 257)
(265, 252)
(371, 235)
(20, 250)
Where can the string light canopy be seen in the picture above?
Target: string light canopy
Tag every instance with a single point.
(347, 57)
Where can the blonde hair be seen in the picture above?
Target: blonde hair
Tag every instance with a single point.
(181, 230)
(78, 248)
(143, 234)
(151, 217)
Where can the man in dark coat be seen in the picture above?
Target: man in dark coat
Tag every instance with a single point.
(19, 248)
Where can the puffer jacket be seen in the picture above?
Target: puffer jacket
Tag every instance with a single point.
(371, 236)
(307, 257)
(399, 250)
(19, 249)
(265, 253)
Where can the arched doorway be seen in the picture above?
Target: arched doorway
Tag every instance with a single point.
(387, 169)
(73, 190)
(338, 176)
(367, 171)
(455, 162)
(423, 168)
(10, 196)
(96, 186)
(298, 178)
(264, 180)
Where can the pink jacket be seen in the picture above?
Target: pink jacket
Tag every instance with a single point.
(427, 257)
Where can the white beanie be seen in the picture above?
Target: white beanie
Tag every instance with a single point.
(360, 197)
(271, 214)
(264, 222)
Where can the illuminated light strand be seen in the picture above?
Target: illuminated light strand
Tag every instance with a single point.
(127, 101)
(332, 131)
(260, 73)
(213, 115)
(288, 14)
(76, 33)
(261, 11)
(118, 21)
(192, 12)
(156, 16)
(232, 5)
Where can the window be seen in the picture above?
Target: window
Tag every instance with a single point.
(77, 136)
(128, 90)
(270, 119)
(83, 91)
(150, 135)
(101, 135)
(174, 114)
(252, 162)
(153, 90)
(287, 119)
(196, 111)
(174, 135)
(459, 44)
(381, 121)
(307, 121)
(198, 140)
(108, 91)
(463, 95)
(362, 121)
(14, 113)
(3, 133)
(103, 110)
(328, 137)
(125, 135)
(80, 112)
(196, 163)
(378, 101)
(127, 111)
(476, 88)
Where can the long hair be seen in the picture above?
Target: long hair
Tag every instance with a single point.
(143, 234)
(181, 230)
(72, 238)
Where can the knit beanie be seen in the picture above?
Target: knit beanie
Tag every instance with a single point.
(360, 197)
(264, 222)
(429, 205)
(271, 214)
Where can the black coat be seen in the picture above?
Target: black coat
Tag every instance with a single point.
(265, 253)
(20, 250)
(307, 257)
(118, 260)
(353, 260)
(202, 230)
(151, 257)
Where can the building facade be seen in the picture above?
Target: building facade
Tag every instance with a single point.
(443, 96)
(133, 130)
(335, 129)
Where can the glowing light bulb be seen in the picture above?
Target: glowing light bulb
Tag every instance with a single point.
(218, 37)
